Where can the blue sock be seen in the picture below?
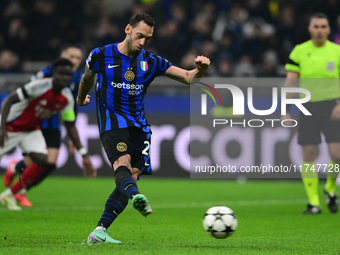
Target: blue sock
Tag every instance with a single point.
(20, 167)
(125, 183)
(114, 205)
(49, 169)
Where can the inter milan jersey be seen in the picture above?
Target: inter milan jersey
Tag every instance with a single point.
(37, 103)
(121, 85)
(54, 122)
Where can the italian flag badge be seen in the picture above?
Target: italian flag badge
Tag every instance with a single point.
(144, 65)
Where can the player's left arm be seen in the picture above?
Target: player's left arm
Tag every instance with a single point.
(72, 132)
(335, 115)
(69, 118)
(189, 76)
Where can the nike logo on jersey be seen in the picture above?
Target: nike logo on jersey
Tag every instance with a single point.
(110, 66)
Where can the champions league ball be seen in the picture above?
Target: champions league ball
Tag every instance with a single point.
(220, 222)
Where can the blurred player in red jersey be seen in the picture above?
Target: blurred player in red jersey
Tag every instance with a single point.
(21, 114)
(51, 130)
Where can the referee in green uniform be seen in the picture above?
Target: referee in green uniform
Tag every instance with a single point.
(317, 65)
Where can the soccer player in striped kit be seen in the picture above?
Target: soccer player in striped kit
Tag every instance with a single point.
(122, 72)
(23, 111)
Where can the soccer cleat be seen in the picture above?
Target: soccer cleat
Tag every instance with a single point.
(332, 201)
(7, 198)
(99, 235)
(22, 200)
(140, 203)
(312, 209)
(8, 177)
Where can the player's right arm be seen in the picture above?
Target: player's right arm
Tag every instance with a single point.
(293, 70)
(89, 78)
(293, 73)
(291, 81)
(5, 107)
(87, 81)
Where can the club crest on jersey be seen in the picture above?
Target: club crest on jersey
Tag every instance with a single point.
(129, 75)
(121, 147)
(330, 66)
(144, 65)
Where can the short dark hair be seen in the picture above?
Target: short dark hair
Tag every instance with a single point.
(71, 45)
(61, 62)
(138, 17)
(318, 15)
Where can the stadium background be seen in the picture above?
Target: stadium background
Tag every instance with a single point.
(249, 38)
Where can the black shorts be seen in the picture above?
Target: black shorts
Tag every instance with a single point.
(132, 141)
(310, 127)
(52, 137)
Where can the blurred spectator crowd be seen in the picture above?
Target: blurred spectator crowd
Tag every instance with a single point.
(250, 38)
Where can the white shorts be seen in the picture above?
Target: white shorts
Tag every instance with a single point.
(28, 142)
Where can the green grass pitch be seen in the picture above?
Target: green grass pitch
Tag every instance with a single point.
(66, 210)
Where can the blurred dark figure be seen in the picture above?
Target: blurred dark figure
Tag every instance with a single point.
(9, 62)
(45, 38)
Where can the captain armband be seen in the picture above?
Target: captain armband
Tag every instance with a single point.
(68, 115)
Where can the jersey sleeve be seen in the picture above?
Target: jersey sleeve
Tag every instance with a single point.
(162, 65)
(92, 61)
(46, 72)
(293, 62)
(34, 89)
(67, 113)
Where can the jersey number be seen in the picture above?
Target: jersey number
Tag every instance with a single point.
(146, 151)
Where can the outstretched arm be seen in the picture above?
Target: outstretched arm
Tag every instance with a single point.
(192, 76)
(87, 81)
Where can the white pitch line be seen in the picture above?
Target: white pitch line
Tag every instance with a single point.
(176, 205)
(231, 203)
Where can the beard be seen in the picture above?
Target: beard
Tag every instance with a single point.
(131, 48)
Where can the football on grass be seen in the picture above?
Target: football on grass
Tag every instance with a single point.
(220, 222)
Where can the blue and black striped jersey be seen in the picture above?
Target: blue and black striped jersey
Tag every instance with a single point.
(121, 85)
(53, 122)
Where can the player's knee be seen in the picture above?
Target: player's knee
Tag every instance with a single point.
(27, 160)
(124, 160)
(50, 167)
(39, 159)
(43, 163)
(309, 153)
(135, 173)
